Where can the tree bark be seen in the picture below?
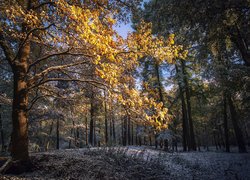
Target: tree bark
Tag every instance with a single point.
(91, 124)
(159, 85)
(106, 119)
(241, 44)
(1, 129)
(19, 137)
(237, 130)
(113, 127)
(57, 134)
(125, 126)
(189, 111)
(132, 133)
(185, 129)
(225, 124)
(86, 130)
(129, 130)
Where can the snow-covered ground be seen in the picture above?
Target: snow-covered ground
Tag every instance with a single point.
(181, 165)
(200, 165)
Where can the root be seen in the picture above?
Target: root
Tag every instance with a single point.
(15, 167)
(6, 166)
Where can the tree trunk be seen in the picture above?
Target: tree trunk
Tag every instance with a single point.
(1, 129)
(132, 133)
(185, 129)
(237, 130)
(94, 133)
(86, 130)
(57, 134)
(106, 119)
(241, 44)
(19, 137)
(156, 142)
(49, 137)
(111, 138)
(159, 85)
(225, 124)
(91, 124)
(125, 126)
(113, 127)
(189, 111)
(129, 132)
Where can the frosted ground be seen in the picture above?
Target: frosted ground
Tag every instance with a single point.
(136, 163)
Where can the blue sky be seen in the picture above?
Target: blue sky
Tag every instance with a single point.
(123, 29)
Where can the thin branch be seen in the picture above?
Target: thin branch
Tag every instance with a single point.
(43, 4)
(58, 54)
(46, 57)
(54, 68)
(92, 82)
(27, 37)
(74, 80)
(34, 101)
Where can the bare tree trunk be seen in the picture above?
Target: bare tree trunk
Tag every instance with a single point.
(86, 128)
(185, 129)
(113, 127)
(48, 139)
(156, 141)
(237, 130)
(132, 134)
(1, 129)
(129, 132)
(125, 126)
(189, 111)
(57, 134)
(225, 124)
(106, 119)
(159, 85)
(91, 124)
(95, 132)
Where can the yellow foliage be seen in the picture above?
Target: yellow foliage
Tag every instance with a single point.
(88, 30)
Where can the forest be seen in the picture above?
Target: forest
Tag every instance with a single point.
(169, 100)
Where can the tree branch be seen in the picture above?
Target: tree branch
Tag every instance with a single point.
(27, 37)
(58, 54)
(8, 52)
(54, 68)
(43, 4)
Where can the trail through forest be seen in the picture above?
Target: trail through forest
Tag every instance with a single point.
(136, 163)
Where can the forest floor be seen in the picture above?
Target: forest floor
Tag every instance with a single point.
(135, 163)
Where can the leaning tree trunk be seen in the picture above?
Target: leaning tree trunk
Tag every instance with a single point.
(241, 44)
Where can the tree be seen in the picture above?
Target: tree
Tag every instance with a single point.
(216, 36)
(68, 36)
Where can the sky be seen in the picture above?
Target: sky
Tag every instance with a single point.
(123, 29)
